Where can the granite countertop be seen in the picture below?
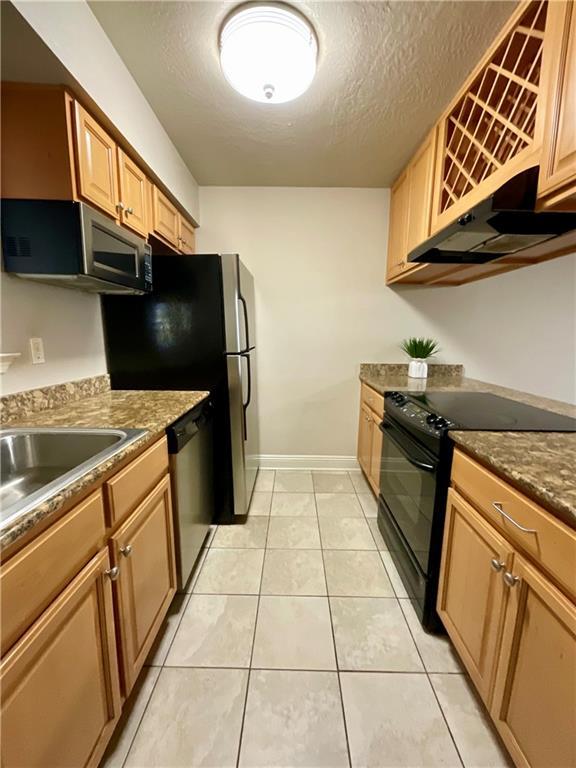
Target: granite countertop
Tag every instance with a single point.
(114, 409)
(540, 464)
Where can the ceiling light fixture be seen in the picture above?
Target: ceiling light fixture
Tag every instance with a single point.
(268, 52)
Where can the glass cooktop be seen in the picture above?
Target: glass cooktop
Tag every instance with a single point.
(483, 411)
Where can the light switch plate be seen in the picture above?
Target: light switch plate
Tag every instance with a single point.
(37, 350)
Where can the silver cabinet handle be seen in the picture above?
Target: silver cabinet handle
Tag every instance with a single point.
(510, 580)
(112, 573)
(127, 550)
(129, 210)
(497, 565)
(498, 507)
(120, 206)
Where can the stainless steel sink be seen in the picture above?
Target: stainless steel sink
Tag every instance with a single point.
(36, 463)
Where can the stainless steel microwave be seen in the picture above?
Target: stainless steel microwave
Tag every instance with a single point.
(71, 245)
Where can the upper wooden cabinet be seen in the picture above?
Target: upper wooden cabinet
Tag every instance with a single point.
(557, 181)
(97, 163)
(133, 192)
(186, 237)
(411, 209)
(165, 224)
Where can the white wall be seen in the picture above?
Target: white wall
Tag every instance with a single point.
(68, 321)
(318, 258)
(75, 36)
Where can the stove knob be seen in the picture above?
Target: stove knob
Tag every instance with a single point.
(440, 423)
(431, 418)
(400, 399)
(390, 394)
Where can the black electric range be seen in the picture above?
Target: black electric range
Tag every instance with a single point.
(415, 474)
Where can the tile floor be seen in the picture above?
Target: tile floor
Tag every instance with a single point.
(297, 646)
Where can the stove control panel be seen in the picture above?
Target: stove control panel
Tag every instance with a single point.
(417, 414)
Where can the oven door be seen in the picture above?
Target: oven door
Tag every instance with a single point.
(112, 253)
(408, 479)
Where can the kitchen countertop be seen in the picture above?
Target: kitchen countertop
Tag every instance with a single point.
(113, 409)
(540, 464)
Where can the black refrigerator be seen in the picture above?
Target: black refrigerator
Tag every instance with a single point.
(195, 331)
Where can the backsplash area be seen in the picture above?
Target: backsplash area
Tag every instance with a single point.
(68, 322)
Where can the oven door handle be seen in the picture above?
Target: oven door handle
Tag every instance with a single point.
(419, 464)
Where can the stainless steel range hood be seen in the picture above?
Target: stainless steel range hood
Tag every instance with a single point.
(504, 223)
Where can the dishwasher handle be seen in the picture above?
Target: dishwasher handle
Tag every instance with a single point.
(188, 426)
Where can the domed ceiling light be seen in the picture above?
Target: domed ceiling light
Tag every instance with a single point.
(268, 52)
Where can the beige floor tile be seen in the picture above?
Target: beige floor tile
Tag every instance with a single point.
(293, 572)
(393, 575)
(394, 721)
(132, 712)
(293, 533)
(293, 719)
(437, 651)
(265, 480)
(332, 482)
(231, 572)
(293, 633)
(369, 504)
(371, 634)
(215, 631)
(345, 533)
(260, 504)
(338, 505)
(378, 538)
(189, 587)
(248, 535)
(359, 482)
(356, 574)
(472, 731)
(289, 504)
(193, 719)
(294, 481)
(163, 641)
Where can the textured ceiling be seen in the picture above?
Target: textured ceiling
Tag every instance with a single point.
(386, 71)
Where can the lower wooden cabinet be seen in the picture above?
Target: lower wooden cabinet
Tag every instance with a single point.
(515, 632)
(60, 692)
(143, 551)
(370, 436)
(534, 704)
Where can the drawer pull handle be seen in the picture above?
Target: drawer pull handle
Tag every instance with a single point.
(497, 565)
(510, 580)
(112, 573)
(498, 507)
(127, 550)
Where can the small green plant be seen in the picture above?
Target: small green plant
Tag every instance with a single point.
(419, 349)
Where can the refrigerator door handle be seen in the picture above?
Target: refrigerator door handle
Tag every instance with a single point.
(242, 300)
(249, 383)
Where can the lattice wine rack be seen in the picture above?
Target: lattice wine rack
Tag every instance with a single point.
(496, 118)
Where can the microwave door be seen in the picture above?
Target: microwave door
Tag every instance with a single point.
(111, 253)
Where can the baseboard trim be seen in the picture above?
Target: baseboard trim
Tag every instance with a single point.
(272, 461)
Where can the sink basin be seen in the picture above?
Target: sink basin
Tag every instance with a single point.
(36, 463)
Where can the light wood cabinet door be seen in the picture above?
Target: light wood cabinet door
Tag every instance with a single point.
(420, 183)
(97, 163)
(557, 181)
(60, 692)
(133, 193)
(186, 236)
(375, 452)
(365, 438)
(472, 594)
(143, 550)
(398, 227)
(166, 222)
(534, 702)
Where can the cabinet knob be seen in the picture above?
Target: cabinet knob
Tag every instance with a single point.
(127, 550)
(497, 565)
(510, 580)
(129, 210)
(120, 206)
(112, 573)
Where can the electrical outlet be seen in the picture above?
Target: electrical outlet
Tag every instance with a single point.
(37, 351)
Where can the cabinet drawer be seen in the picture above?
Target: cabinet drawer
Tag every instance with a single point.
(549, 542)
(373, 400)
(134, 482)
(35, 576)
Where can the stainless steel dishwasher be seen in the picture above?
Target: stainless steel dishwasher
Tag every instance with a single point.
(190, 445)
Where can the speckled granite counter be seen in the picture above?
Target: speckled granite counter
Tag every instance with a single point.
(149, 410)
(540, 464)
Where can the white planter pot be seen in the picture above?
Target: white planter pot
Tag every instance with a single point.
(418, 369)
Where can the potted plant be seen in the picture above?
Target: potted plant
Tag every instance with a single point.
(419, 350)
